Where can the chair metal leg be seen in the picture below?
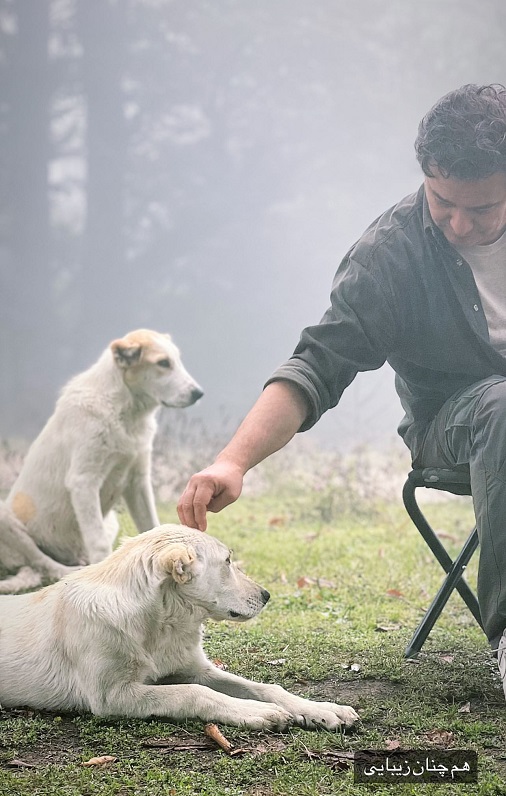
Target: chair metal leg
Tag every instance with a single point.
(454, 570)
(452, 581)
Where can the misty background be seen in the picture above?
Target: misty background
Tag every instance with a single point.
(200, 167)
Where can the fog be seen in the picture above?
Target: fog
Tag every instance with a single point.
(200, 167)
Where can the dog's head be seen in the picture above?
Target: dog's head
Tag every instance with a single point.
(201, 569)
(152, 369)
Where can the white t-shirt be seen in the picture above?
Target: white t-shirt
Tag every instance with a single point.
(488, 264)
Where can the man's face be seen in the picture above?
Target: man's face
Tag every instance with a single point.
(468, 212)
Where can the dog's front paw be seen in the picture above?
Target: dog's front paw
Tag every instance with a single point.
(264, 716)
(326, 715)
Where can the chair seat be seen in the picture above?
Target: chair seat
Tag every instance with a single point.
(458, 482)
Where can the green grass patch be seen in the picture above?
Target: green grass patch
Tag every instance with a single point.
(349, 585)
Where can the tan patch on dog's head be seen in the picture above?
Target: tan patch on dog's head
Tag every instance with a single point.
(23, 507)
(143, 344)
(178, 561)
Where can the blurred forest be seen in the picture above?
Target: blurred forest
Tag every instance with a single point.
(200, 167)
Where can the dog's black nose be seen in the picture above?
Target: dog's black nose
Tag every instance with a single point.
(196, 394)
(265, 596)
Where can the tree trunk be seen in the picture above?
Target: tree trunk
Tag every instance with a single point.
(104, 297)
(27, 333)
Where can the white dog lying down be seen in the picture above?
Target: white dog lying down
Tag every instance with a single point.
(95, 449)
(102, 638)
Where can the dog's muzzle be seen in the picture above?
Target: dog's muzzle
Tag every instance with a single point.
(262, 599)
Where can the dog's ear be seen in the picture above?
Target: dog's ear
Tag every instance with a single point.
(179, 561)
(125, 354)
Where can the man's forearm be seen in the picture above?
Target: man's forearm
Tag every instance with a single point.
(272, 422)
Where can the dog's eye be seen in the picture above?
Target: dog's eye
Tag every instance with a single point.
(164, 363)
(228, 559)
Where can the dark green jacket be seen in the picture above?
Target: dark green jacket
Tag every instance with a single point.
(403, 295)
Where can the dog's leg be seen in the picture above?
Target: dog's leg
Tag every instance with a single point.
(190, 701)
(19, 551)
(26, 578)
(111, 526)
(139, 496)
(84, 488)
(304, 712)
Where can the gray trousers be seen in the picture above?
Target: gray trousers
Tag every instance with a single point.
(470, 429)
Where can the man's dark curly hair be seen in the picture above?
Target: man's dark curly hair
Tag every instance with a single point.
(464, 134)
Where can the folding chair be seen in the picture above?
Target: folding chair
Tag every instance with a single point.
(458, 483)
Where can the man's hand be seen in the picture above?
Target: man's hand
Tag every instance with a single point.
(210, 490)
(271, 423)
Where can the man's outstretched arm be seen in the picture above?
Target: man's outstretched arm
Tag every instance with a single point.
(272, 422)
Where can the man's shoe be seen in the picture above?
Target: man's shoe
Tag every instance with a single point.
(501, 660)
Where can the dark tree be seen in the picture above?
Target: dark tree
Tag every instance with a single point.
(27, 311)
(103, 298)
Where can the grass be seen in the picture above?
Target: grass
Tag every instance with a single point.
(348, 587)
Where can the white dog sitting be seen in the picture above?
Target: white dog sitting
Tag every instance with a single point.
(95, 449)
(103, 638)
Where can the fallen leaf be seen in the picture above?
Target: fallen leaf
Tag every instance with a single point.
(276, 662)
(394, 593)
(337, 761)
(326, 584)
(220, 665)
(440, 737)
(303, 581)
(272, 745)
(355, 667)
(448, 658)
(15, 763)
(465, 708)
(102, 761)
(386, 628)
(391, 744)
(277, 521)
(175, 745)
(212, 731)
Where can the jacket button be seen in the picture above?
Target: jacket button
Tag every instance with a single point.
(459, 261)
(475, 307)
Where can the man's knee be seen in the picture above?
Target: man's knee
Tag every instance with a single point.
(489, 429)
(491, 406)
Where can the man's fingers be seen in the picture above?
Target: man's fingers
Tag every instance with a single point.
(201, 499)
(219, 502)
(192, 506)
(209, 490)
(185, 507)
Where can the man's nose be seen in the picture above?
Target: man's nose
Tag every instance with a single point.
(461, 224)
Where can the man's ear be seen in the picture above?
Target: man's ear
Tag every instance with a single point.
(125, 354)
(179, 562)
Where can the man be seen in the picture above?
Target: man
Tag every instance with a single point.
(424, 289)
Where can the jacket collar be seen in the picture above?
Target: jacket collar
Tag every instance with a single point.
(428, 223)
